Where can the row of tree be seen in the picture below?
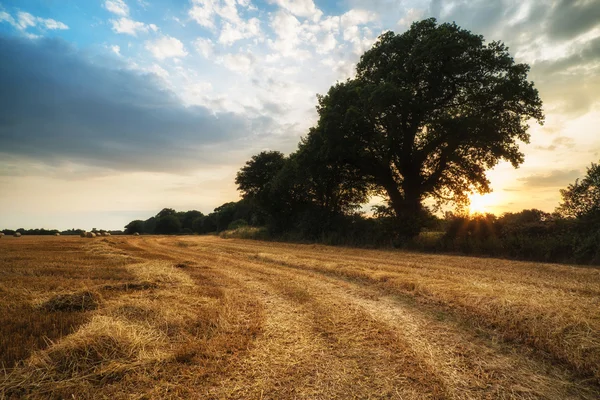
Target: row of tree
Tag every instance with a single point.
(168, 221)
(428, 112)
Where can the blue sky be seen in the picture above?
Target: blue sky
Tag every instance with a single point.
(113, 109)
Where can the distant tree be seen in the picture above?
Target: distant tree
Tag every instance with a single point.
(224, 215)
(429, 111)
(134, 226)
(168, 224)
(582, 198)
(187, 219)
(209, 223)
(165, 212)
(150, 225)
(255, 177)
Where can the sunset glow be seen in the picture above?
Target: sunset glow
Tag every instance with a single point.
(482, 203)
(114, 109)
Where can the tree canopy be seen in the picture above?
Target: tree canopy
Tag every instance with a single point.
(582, 198)
(429, 111)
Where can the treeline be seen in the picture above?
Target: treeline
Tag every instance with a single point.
(527, 235)
(427, 114)
(50, 232)
(570, 234)
(168, 221)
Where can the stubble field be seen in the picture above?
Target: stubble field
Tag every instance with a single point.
(204, 317)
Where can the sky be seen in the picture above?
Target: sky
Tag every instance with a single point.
(111, 110)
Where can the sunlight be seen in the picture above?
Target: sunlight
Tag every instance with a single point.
(481, 203)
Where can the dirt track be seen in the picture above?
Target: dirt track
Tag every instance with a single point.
(326, 335)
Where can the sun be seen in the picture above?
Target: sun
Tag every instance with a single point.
(481, 203)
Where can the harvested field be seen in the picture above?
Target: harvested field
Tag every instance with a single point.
(205, 317)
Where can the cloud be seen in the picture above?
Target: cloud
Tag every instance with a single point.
(552, 179)
(118, 7)
(411, 15)
(207, 13)
(203, 12)
(231, 33)
(131, 27)
(25, 20)
(289, 32)
(300, 8)
(205, 46)
(569, 18)
(241, 62)
(561, 141)
(166, 47)
(56, 107)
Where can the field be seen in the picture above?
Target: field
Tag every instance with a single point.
(205, 317)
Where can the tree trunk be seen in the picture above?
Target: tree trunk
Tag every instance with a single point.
(408, 209)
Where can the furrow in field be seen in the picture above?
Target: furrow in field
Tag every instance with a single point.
(313, 352)
(351, 318)
(561, 322)
(456, 362)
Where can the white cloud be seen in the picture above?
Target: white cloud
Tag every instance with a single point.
(411, 15)
(158, 70)
(327, 44)
(4, 16)
(300, 8)
(166, 47)
(357, 17)
(231, 33)
(241, 62)
(233, 27)
(26, 20)
(52, 24)
(288, 30)
(203, 12)
(205, 46)
(118, 7)
(116, 49)
(131, 27)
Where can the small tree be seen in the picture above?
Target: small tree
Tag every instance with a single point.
(582, 198)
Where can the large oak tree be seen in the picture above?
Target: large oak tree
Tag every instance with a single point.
(429, 111)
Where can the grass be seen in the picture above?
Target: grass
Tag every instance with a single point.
(203, 317)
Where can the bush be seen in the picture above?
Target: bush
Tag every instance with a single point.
(247, 232)
(238, 223)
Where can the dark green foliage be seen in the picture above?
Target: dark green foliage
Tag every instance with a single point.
(187, 218)
(169, 221)
(166, 212)
(429, 111)
(135, 226)
(238, 223)
(254, 179)
(581, 205)
(582, 198)
(168, 224)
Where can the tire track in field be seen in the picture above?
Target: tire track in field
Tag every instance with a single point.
(296, 359)
(342, 356)
(465, 366)
(343, 314)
